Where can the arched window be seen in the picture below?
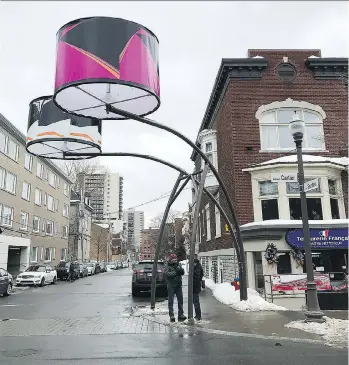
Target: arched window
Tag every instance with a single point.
(274, 120)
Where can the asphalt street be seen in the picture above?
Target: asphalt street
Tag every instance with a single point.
(90, 321)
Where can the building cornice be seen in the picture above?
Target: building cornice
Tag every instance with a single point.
(230, 68)
(327, 68)
(20, 137)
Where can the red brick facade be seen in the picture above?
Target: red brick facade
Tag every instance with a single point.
(238, 133)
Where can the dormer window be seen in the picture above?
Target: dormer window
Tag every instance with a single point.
(274, 120)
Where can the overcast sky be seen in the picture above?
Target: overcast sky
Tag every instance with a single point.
(193, 36)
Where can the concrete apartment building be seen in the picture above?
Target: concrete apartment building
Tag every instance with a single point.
(245, 133)
(134, 220)
(106, 196)
(80, 227)
(34, 205)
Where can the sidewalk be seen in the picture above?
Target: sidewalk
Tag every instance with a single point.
(221, 317)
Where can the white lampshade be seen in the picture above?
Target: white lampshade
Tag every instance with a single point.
(297, 126)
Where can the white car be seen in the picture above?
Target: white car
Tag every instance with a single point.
(37, 275)
(91, 268)
(110, 266)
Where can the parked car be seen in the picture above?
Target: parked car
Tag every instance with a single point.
(98, 268)
(91, 268)
(142, 275)
(110, 266)
(6, 282)
(63, 269)
(37, 275)
(83, 270)
(103, 266)
(118, 265)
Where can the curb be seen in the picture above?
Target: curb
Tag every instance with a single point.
(234, 334)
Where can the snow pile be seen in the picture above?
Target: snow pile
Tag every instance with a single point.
(185, 265)
(226, 294)
(334, 331)
(142, 311)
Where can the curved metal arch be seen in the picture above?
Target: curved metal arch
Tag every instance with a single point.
(126, 154)
(242, 257)
(172, 198)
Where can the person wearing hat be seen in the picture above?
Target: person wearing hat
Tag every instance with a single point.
(174, 273)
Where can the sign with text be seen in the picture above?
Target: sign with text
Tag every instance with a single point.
(298, 283)
(319, 238)
(311, 185)
(279, 177)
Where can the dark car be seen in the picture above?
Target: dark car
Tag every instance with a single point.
(83, 270)
(142, 275)
(5, 283)
(98, 268)
(63, 269)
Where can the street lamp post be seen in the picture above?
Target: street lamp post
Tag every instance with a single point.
(313, 312)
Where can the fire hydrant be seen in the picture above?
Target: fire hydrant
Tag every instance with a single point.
(236, 283)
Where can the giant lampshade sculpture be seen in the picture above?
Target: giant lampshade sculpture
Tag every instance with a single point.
(51, 131)
(108, 68)
(102, 60)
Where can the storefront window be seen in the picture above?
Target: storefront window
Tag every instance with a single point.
(270, 209)
(329, 261)
(313, 205)
(334, 208)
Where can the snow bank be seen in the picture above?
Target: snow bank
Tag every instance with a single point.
(226, 294)
(334, 331)
(141, 311)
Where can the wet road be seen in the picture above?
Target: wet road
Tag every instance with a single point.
(89, 322)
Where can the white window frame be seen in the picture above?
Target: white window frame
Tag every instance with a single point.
(52, 179)
(24, 227)
(32, 250)
(28, 161)
(3, 148)
(13, 191)
(208, 222)
(3, 216)
(36, 218)
(2, 177)
(42, 254)
(63, 254)
(49, 223)
(53, 256)
(65, 210)
(51, 203)
(300, 107)
(40, 173)
(40, 197)
(49, 251)
(217, 214)
(28, 191)
(65, 231)
(66, 189)
(16, 149)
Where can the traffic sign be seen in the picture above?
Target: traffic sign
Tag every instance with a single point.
(311, 185)
(284, 177)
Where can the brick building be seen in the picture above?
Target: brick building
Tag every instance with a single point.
(148, 243)
(245, 134)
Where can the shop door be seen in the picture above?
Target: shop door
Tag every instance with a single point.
(14, 260)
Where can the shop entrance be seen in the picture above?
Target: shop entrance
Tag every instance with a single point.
(14, 260)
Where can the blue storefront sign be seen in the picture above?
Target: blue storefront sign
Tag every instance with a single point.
(331, 238)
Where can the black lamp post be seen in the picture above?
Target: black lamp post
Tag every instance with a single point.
(313, 312)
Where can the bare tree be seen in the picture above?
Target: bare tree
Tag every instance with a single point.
(76, 169)
(99, 242)
(168, 240)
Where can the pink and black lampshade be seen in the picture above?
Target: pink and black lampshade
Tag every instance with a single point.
(103, 60)
(51, 131)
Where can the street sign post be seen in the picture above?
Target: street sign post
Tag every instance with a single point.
(284, 177)
(311, 185)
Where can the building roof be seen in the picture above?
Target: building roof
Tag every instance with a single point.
(292, 159)
(332, 66)
(20, 137)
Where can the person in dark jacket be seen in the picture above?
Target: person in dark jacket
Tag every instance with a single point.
(174, 273)
(197, 280)
(71, 276)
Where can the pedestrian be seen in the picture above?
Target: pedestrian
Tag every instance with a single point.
(198, 274)
(174, 273)
(71, 276)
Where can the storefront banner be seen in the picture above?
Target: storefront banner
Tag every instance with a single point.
(332, 238)
(298, 282)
